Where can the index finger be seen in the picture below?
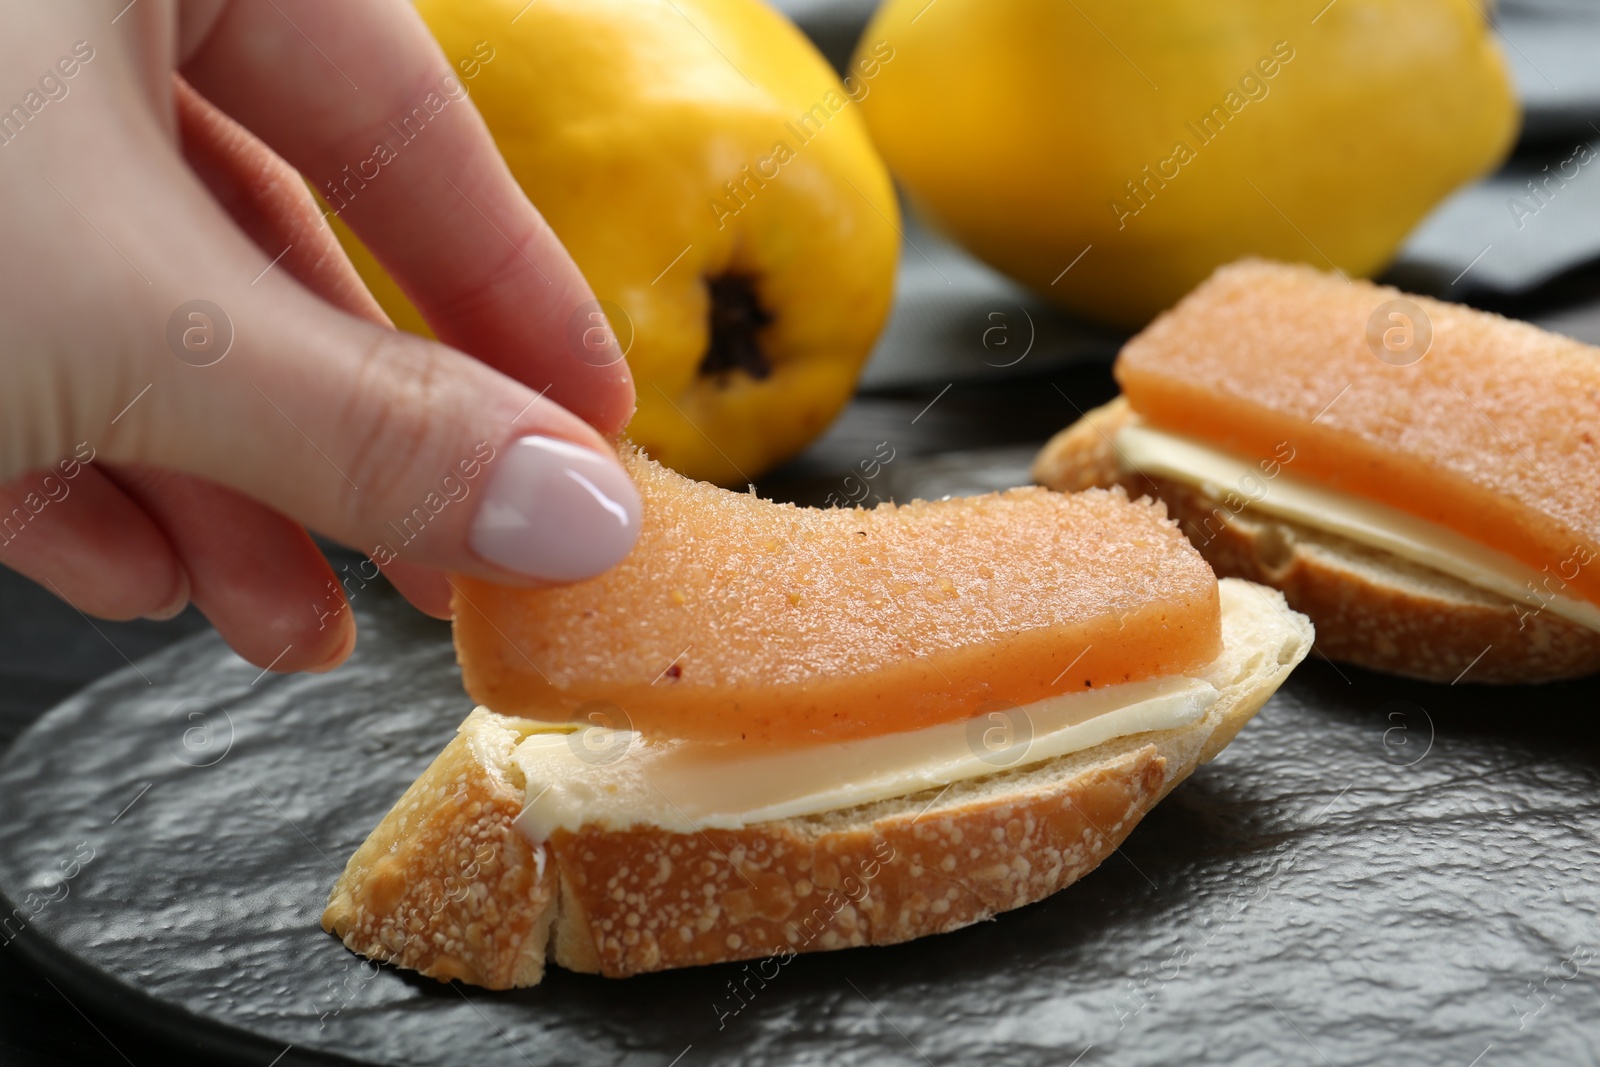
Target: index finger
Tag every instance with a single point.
(359, 98)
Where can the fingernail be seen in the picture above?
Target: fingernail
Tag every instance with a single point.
(347, 645)
(175, 606)
(557, 511)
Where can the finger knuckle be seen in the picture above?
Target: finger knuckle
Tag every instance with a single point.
(398, 429)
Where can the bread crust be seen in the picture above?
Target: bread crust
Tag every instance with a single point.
(445, 884)
(650, 899)
(626, 901)
(1369, 608)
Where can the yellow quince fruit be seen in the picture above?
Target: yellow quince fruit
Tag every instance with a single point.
(1112, 154)
(716, 183)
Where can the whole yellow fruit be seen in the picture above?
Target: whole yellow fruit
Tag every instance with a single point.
(716, 184)
(1160, 139)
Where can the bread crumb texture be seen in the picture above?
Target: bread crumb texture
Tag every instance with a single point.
(446, 885)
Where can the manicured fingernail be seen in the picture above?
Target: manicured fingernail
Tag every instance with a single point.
(175, 606)
(557, 511)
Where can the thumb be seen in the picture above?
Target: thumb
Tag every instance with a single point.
(399, 447)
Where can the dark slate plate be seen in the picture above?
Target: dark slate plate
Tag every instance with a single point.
(1375, 872)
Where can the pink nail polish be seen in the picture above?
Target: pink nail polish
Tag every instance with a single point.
(556, 510)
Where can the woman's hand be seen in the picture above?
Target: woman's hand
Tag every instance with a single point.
(192, 374)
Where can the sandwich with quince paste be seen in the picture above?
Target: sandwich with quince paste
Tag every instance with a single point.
(775, 729)
(1419, 478)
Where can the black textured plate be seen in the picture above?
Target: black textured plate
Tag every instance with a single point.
(1375, 872)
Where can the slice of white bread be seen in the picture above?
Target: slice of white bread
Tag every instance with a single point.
(1370, 608)
(448, 886)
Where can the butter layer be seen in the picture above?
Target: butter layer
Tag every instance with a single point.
(1238, 485)
(617, 778)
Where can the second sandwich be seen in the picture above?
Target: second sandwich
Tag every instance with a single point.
(1417, 477)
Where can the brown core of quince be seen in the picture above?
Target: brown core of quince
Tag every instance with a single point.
(737, 319)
